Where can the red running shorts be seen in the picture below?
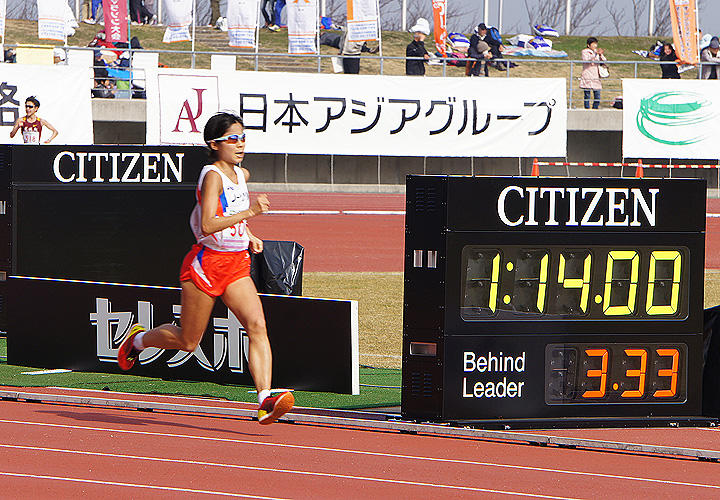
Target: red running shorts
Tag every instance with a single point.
(213, 271)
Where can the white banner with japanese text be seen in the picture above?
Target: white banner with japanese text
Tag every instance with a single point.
(302, 19)
(51, 19)
(671, 119)
(242, 18)
(57, 88)
(363, 20)
(364, 114)
(178, 15)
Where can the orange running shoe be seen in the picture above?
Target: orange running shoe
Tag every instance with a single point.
(127, 354)
(274, 407)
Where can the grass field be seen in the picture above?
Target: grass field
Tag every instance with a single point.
(393, 45)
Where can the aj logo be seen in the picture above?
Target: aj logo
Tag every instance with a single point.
(186, 112)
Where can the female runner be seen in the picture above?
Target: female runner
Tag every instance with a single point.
(219, 266)
(31, 125)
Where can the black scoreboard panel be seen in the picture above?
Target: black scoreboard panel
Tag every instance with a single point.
(548, 298)
(102, 213)
(110, 235)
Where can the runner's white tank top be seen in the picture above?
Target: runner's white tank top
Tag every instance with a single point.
(234, 198)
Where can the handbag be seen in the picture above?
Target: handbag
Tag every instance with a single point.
(603, 71)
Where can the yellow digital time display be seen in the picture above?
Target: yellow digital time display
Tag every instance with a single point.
(525, 282)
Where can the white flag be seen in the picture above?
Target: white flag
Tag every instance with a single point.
(242, 22)
(178, 15)
(362, 20)
(302, 26)
(51, 19)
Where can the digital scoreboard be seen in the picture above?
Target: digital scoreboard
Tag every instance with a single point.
(544, 298)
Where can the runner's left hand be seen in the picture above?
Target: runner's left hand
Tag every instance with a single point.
(256, 244)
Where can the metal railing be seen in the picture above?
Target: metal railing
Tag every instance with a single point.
(395, 65)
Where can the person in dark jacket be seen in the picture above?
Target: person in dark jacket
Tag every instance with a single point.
(667, 54)
(479, 53)
(416, 48)
(480, 34)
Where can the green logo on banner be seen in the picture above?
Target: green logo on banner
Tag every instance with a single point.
(674, 118)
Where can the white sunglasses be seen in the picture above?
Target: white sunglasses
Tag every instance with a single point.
(232, 138)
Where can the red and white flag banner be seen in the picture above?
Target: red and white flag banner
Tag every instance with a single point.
(440, 24)
(242, 16)
(302, 16)
(178, 15)
(363, 20)
(51, 19)
(116, 19)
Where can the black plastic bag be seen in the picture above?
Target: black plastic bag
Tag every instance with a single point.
(278, 269)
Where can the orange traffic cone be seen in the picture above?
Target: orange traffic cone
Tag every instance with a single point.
(639, 170)
(535, 168)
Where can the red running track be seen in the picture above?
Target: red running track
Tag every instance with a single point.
(66, 451)
(354, 242)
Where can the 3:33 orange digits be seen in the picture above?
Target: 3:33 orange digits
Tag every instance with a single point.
(616, 373)
(640, 373)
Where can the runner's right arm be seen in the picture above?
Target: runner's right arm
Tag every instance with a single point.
(16, 127)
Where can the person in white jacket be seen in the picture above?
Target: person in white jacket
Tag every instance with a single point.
(710, 59)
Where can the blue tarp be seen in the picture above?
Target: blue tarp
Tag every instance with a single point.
(526, 51)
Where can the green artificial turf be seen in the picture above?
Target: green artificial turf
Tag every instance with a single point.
(379, 386)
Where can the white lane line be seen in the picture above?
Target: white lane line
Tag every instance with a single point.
(47, 372)
(335, 212)
(374, 212)
(283, 471)
(303, 212)
(134, 485)
(158, 397)
(368, 453)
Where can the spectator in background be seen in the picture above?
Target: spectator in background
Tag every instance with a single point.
(590, 77)
(59, 56)
(416, 48)
(667, 55)
(482, 33)
(9, 56)
(100, 68)
(710, 60)
(267, 7)
(103, 89)
(279, 5)
(94, 6)
(140, 14)
(479, 53)
(351, 56)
